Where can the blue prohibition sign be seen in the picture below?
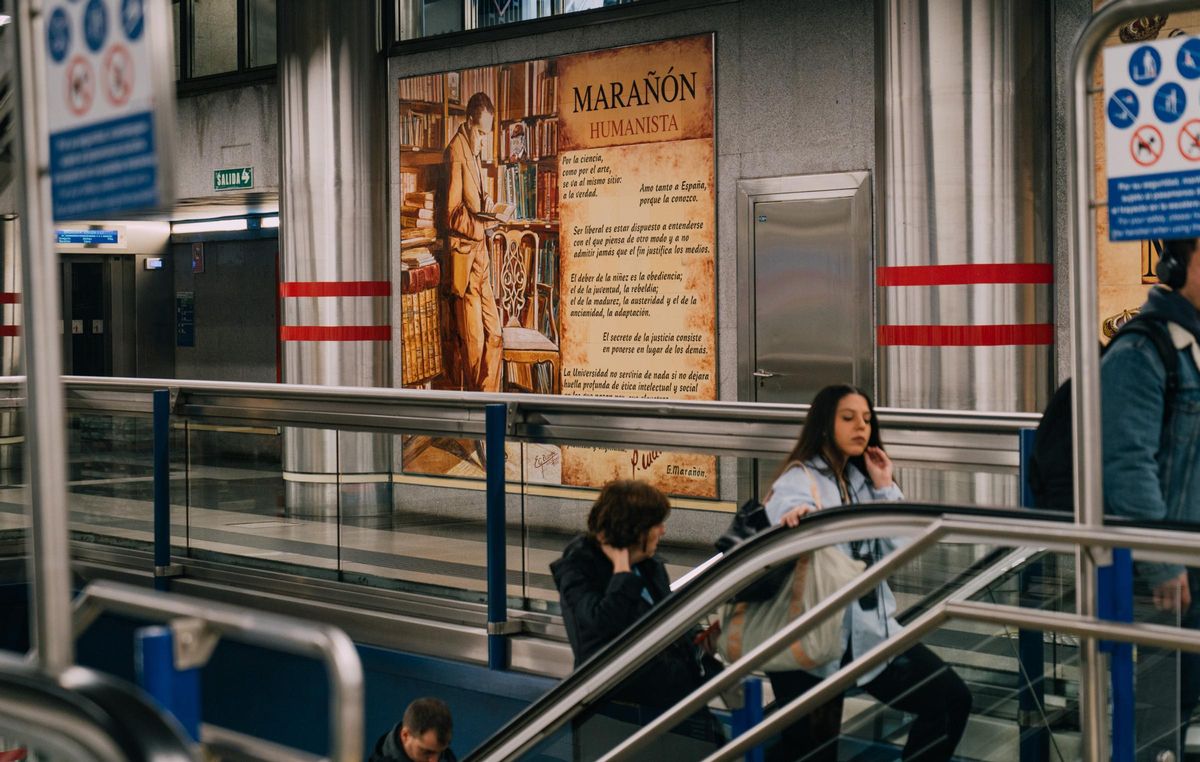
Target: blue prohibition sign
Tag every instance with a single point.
(1145, 65)
(1187, 60)
(95, 25)
(1123, 108)
(132, 18)
(1169, 102)
(58, 35)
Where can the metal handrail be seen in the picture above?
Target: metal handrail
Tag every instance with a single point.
(80, 714)
(740, 429)
(780, 546)
(318, 641)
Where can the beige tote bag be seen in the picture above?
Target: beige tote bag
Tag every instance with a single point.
(816, 576)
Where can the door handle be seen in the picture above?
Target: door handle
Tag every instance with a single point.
(760, 373)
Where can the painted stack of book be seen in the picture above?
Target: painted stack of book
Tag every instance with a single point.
(420, 332)
(416, 216)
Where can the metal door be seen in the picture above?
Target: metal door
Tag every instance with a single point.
(811, 310)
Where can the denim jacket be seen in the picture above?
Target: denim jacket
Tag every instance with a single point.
(793, 488)
(1150, 474)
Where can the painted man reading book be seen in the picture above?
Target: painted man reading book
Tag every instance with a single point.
(476, 328)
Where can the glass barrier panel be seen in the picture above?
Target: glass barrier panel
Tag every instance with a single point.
(110, 478)
(247, 510)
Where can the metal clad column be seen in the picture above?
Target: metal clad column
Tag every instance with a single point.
(11, 362)
(335, 285)
(965, 316)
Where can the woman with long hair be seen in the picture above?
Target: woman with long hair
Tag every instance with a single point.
(839, 460)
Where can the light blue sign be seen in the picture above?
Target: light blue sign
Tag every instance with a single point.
(95, 25)
(1123, 108)
(1145, 65)
(58, 35)
(86, 237)
(1169, 102)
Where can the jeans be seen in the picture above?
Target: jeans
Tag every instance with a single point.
(1167, 682)
(916, 681)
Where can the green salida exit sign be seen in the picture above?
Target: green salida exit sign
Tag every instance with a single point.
(236, 178)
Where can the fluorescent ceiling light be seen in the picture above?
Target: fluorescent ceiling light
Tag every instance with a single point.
(5, 19)
(209, 226)
(271, 222)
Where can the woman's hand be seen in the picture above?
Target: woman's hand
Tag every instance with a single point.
(618, 556)
(792, 517)
(879, 467)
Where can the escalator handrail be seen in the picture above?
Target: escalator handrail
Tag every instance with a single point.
(323, 642)
(779, 545)
(84, 715)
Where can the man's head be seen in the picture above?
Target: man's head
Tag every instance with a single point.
(425, 730)
(1179, 269)
(480, 116)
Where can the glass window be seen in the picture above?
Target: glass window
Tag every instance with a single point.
(426, 18)
(214, 37)
(260, 35)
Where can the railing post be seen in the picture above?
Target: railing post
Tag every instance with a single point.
(497, 541)
(1115, 591)
(162, 489)
(750, 714)
(176, 691)
(1034, 744)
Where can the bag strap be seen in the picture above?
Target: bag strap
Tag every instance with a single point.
(1160, 336)
(812, 480)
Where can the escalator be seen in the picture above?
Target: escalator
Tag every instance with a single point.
(1024, 684)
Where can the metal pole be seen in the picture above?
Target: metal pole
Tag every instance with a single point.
(1086, 360)
(162, 489)
(1034, 744)
(750, 714)
(176, 690)
(1116, 604)
(497, 543)
(45, 424)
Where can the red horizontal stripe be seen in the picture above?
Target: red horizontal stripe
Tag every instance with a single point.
(335, 288)
(960, 275)
(9, 297)
(335, 333)
(10, 330)
(965, 335)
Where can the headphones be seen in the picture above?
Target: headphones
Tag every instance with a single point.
(1171, 271)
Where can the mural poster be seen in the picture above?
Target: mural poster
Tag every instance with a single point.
(558, 237)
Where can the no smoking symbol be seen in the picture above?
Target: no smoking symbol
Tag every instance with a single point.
(1189, 140)
(118, 75)
(1146, 145)
(81, 86)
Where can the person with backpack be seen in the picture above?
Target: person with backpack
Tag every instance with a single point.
(1150, 407)
(839, 460)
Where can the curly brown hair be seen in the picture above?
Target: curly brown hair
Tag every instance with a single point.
(626, 511)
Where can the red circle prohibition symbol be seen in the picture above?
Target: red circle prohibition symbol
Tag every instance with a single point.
(1146, 145)
(118, 75)
(1189, 140)
(81, 85)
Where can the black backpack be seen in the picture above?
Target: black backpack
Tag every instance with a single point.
(1052, 465)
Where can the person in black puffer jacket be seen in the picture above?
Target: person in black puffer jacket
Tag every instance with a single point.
(610, 578)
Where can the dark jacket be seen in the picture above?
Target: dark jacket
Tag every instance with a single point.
(597, 606)
(388, 749)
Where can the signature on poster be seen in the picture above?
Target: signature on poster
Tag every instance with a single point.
(644, 459)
